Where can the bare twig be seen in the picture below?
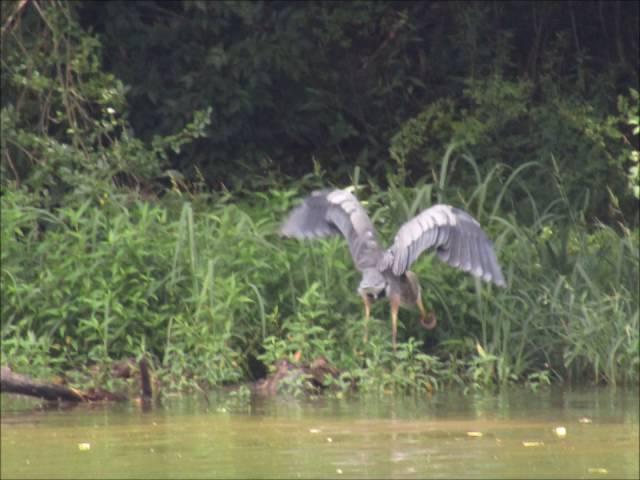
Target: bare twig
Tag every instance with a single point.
(574, 27)
(16, 13)
(12, 167)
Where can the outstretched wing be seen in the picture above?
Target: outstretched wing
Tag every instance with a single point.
(332, 212)
(456, 237)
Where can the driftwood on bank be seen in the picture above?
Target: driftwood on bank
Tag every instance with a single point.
(11, 382)
(315, 374)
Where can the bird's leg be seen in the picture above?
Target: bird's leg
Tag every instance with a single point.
(367, 313)
(427, 320)
(395, 305)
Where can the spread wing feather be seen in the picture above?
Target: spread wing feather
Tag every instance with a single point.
(456, 237)
(333, 212)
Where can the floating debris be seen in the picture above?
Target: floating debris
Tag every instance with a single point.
(585, 420)
(314, 430)
(329, 439)
(533, 444)
(598, 470)
(84, 446)
(339, 471)
(560, 432)
(474, 434)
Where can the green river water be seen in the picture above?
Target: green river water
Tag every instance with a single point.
(514, 434)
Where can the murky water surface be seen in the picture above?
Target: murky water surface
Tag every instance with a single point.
(514, 434)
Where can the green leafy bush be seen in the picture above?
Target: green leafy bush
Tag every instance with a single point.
(137, 220)
(203, 287)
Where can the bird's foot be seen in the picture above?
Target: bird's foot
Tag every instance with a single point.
(429, 321)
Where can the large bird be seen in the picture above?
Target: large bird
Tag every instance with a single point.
(452, 233)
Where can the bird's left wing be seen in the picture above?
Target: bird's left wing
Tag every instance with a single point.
(454, 234)
(333, 212)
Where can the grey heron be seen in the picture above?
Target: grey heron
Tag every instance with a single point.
(453, 234)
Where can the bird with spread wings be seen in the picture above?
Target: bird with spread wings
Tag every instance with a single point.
(454, 235)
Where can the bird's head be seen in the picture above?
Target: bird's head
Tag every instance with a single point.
(373, 284)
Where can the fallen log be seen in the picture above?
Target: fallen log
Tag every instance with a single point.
(11, 382)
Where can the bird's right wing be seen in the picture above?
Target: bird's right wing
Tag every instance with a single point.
(332, 212)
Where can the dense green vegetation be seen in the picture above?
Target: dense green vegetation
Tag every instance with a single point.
(150, 150)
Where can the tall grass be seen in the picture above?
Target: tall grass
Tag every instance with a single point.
(570, 305)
